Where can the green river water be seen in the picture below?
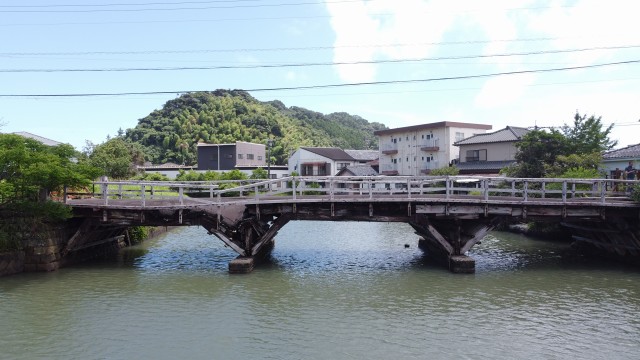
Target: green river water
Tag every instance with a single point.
(330, 291)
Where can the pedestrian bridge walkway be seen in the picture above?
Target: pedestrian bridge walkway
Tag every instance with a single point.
(450, 213)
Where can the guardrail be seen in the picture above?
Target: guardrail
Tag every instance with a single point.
(305, 188)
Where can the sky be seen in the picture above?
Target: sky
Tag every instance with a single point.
(397, 62)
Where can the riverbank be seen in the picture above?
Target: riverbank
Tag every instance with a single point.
(49, 249)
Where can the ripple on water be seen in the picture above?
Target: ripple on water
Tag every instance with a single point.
(339, 292)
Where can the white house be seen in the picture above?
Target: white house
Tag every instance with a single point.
(490, 152)
(416, 150)
(319, 161)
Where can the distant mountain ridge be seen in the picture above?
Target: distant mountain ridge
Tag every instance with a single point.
(171, 134)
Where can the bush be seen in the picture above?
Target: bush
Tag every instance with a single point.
(138, 234)
(444, 171)
(635, 193)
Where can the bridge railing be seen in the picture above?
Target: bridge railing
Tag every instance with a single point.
(306, 188)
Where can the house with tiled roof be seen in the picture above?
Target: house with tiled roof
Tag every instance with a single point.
(357, 170)
(319, 161)
(619, 158)
(363, 156)
(490, 152)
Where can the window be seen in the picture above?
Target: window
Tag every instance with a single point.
(342, 165)
(240, 156)
(423, 136)
(259, 157)
(459, 136)
(477, 155)
(429, 136)
(249, 156)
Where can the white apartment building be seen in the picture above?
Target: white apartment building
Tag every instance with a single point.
(416, 150)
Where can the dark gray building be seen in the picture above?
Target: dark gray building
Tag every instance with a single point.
(225, 157)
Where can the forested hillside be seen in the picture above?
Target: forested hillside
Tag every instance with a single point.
(172, 133)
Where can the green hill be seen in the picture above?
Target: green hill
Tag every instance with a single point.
(172, 133)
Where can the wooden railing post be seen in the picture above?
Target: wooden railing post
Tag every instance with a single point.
(409, 188)
(331, 192)
(564, 191)
(142, 195)
(447, 187)
(603, 190)
(525, 193)
(293, 186)
(105, 193)
(181, 194)
(485, 185)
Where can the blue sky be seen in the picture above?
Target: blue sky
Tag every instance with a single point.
(390, 40)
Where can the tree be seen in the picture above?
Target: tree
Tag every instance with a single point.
(29, 172)
(259, 173)
(587, 136)
(552, 153)
(116, 158)
(537, 150)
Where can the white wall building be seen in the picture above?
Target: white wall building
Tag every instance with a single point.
(416, 150)
(319, 161)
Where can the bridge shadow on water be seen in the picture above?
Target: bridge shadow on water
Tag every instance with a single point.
(317, 247)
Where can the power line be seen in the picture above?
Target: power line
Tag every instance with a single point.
(338, 85)
(263, 66)
(304, 48)
(125, 4)
(182, 8)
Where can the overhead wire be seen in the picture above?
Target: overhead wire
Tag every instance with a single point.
(275, 49)
(263, 66)
(343, 84)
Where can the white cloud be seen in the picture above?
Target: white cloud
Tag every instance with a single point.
(362, 27)
(503, 90)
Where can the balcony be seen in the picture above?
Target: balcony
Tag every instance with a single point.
(389, 149)
(430, 145)
(389, 169)
(428, 167)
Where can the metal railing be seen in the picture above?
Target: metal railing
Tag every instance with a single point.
(596, 192)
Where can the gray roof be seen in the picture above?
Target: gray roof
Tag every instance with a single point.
(629, 152)
(41, 139)
(510, 133)
(363, 155)
(330, 153)
(358, 170)
(436, 125)
(483, 166)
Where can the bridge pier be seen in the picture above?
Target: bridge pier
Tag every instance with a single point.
(447, 239)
